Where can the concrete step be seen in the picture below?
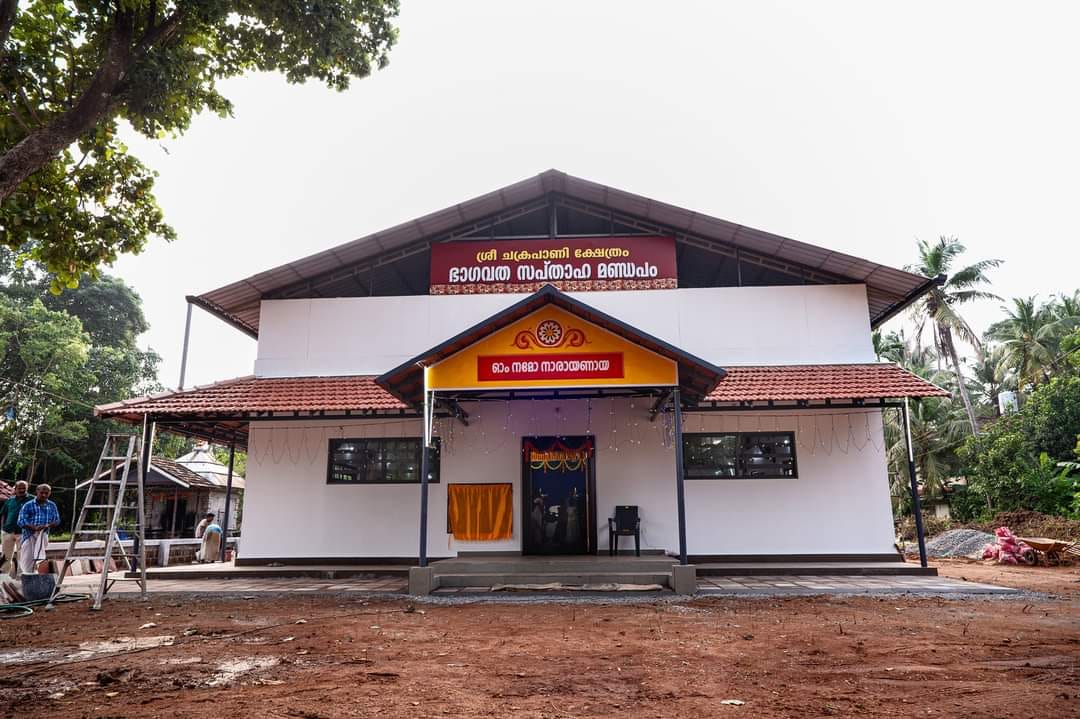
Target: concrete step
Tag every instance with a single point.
(782, 569)
(547, 566)
(489, 579)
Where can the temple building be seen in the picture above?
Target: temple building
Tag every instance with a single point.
(496, 378)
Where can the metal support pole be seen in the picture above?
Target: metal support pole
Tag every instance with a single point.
(228, 501)
(144, 470)
(916, 503)
(425, 469)
(183, 353)
(680, 475)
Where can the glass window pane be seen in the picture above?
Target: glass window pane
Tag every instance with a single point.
(753, 455)
(379, 461)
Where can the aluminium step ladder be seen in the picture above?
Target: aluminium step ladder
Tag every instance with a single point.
(111, 505)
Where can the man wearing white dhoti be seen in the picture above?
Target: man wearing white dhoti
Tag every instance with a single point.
(36, 519)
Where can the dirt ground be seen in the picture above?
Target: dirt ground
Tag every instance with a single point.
(1064, 580)
(314, 657)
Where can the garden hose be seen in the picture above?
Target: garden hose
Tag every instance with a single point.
(20, 610)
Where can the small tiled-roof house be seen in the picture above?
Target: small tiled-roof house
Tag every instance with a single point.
(179, 494)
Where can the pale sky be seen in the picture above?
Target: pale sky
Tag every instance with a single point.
(856, 126)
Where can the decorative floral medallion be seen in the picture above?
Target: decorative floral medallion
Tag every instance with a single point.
(549, 334)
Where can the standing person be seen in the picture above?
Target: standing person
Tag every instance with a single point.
(36, 518)
(200, 529)
(210, 551)
(9, 519)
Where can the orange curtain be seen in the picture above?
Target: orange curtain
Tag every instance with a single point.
(480, 512)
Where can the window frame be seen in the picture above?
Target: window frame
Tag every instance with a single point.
(434, 469)
(738, 457)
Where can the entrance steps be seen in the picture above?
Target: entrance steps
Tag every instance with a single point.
(490, 571)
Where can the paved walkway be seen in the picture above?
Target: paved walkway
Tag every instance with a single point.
(737, 586)
(253, 585)
(784, 585)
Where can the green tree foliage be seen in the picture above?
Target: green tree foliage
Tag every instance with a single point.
(221, 454)
(43, 358)
(1025, 459)
(940, 306)
(61, 356)
(71, 194)
(1016, 462)
(1027, 335)
(938, 427)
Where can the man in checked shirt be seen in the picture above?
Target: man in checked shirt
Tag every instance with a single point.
(36, 518)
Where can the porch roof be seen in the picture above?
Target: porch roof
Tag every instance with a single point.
(221, 411)
(806, 383)
(406, 381)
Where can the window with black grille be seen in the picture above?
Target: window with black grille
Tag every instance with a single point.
(740, 455)
(379, 460)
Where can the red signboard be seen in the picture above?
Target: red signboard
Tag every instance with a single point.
(585, 365)
(595, 263)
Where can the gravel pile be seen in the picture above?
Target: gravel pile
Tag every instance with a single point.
(959, 543)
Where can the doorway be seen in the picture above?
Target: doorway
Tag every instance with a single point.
(559, 486)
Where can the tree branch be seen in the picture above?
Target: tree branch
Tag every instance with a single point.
(7, 19)
(158, 33)
(43, 144)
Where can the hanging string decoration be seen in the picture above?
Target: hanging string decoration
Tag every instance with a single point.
(559, 457)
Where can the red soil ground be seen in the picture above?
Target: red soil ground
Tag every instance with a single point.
(866, 656)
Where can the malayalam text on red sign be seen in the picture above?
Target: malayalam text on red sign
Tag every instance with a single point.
(606, 263)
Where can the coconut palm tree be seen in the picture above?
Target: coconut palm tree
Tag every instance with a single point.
(889, 346)
(1028, 336)
(992, 375)
(938, 427)
(1065, 313)
(939, 307)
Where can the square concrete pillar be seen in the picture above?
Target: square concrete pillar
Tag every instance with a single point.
(421, 581)
(684, 578)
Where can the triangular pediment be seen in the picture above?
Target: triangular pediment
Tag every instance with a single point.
(547, 341)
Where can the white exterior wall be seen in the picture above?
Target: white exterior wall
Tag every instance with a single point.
(838, 504)
(807, 324)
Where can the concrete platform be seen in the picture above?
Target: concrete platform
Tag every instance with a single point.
(487, 571)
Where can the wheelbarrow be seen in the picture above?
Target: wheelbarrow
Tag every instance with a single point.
(1053, 549)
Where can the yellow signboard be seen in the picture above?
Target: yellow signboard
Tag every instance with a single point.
(552, 348)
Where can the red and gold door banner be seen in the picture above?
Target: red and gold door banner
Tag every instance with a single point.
(552, 348)
(558, 457)
(480, 512)
(595, 263)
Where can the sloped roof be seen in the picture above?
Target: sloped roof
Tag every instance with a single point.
(821, 382)
(888, 289)
(260, 396)
(168, 471)
(250, 396)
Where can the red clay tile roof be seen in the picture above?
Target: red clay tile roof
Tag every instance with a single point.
(820, 382)
(249, 395)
